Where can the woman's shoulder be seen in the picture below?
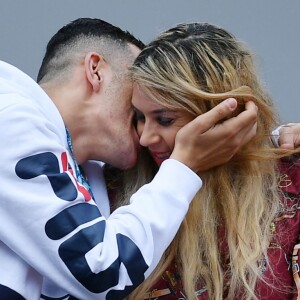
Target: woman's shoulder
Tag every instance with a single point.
(288, 217)
(289, 179)
(285, 231)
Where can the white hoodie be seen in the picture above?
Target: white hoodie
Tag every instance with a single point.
(48, 225)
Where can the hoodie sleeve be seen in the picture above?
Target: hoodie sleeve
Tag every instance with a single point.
(51, 223)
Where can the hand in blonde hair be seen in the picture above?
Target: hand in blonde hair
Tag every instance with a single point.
(289, 136)
(205, 142)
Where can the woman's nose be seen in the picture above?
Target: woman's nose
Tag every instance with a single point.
(148, 136)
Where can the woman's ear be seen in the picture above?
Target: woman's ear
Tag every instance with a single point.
(92, 63)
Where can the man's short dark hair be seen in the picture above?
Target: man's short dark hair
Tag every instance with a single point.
(84, 30)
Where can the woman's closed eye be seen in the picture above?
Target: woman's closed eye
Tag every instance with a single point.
(161, 117)
(165, 121)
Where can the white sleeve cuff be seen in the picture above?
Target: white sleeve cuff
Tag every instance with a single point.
(178, 177)
(275, 136)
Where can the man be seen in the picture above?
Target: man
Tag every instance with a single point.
(81, 112)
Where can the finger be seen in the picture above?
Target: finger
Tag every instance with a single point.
(297, 141)
(286, 137)
(242, 128)
(249, 133)
(289, 136)
(287, 145)
(215, 115)
(245, 121)
(248, 119)
(249, 115)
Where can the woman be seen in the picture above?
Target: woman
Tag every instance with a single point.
(240, 237)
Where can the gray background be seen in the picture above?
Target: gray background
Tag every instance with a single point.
(269, 27)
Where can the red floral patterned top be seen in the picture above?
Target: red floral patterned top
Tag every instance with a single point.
(283, 251)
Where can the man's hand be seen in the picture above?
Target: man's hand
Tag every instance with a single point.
(205, 143)
(289, 136)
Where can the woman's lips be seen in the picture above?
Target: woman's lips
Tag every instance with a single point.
(159, 157)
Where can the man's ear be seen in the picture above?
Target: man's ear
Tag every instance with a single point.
(93, 63)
